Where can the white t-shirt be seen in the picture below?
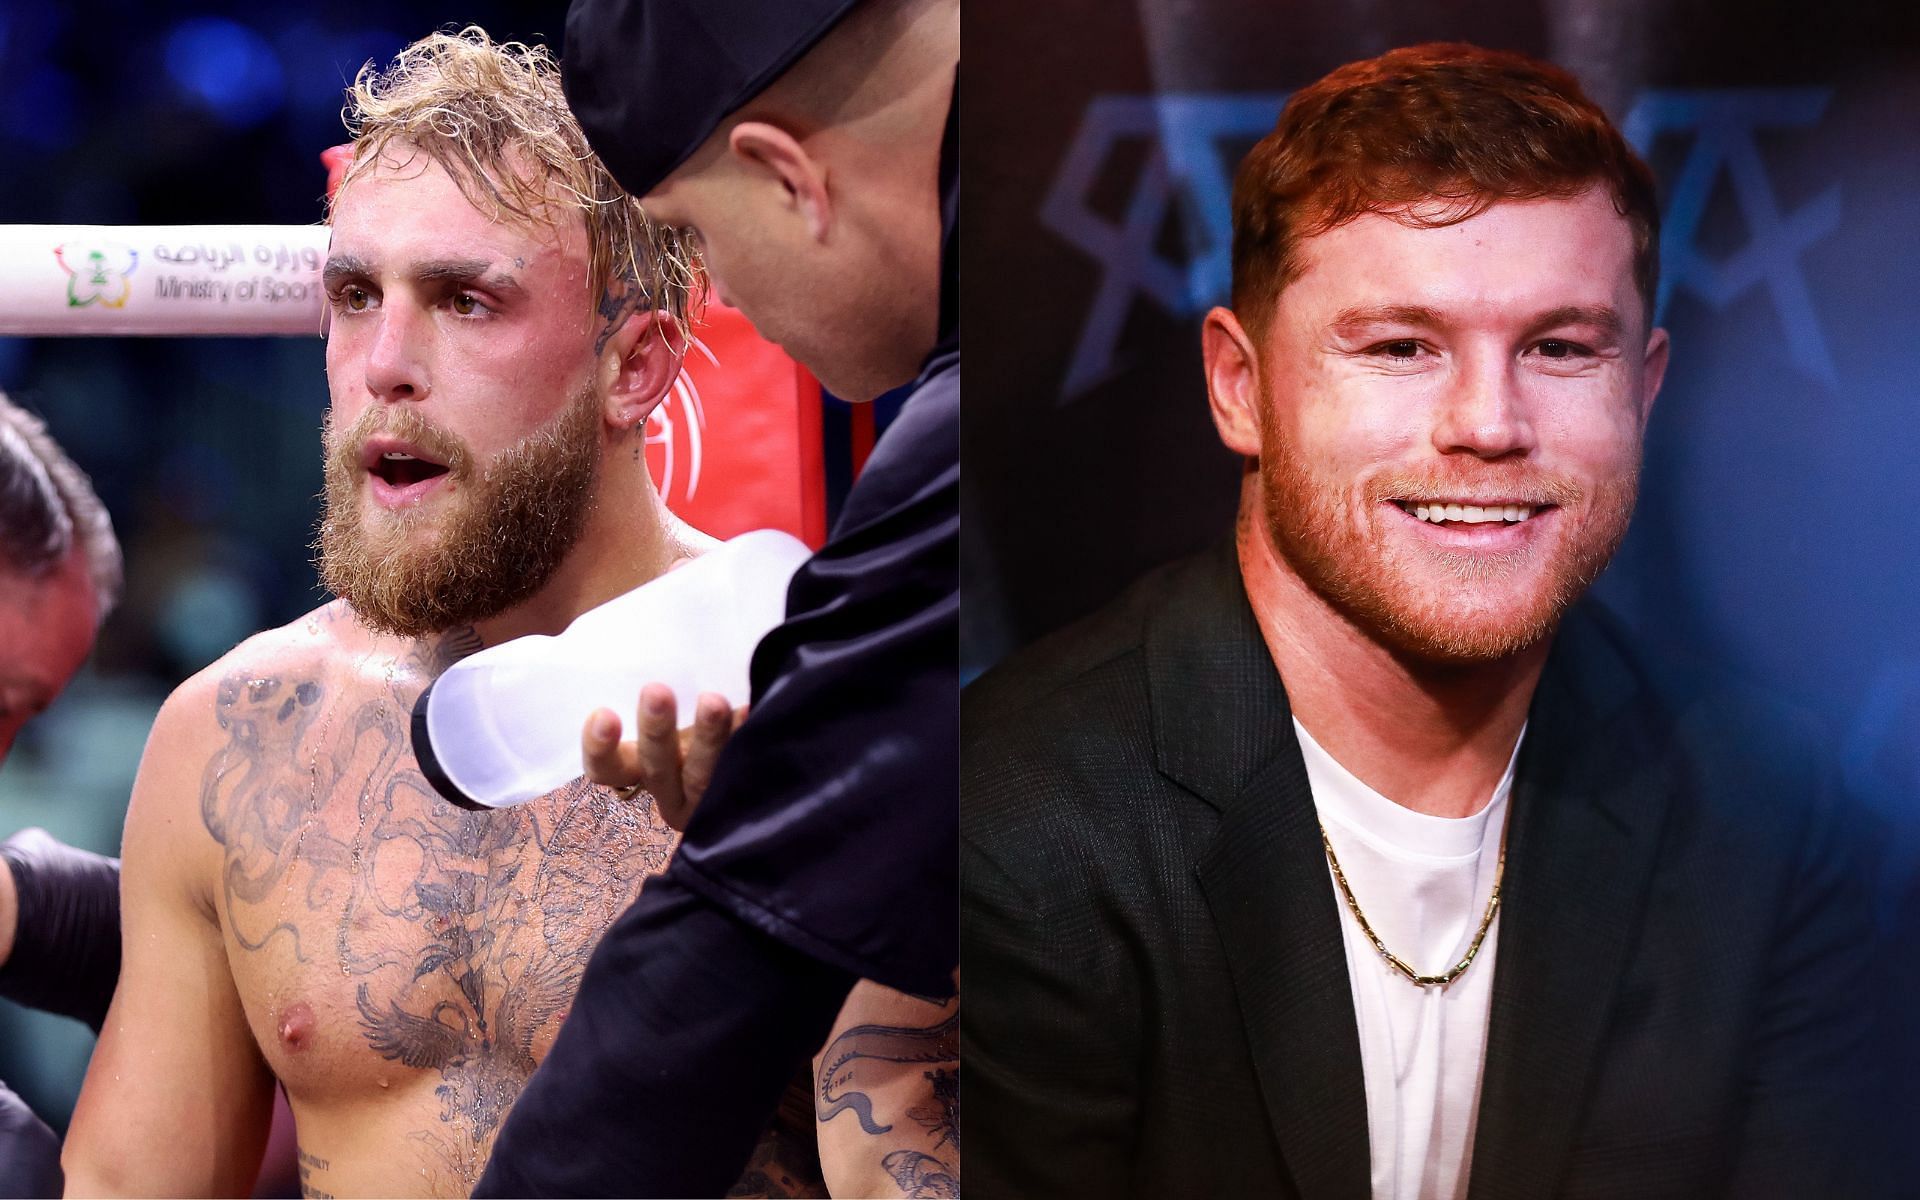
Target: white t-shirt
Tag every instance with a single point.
(1424, 883)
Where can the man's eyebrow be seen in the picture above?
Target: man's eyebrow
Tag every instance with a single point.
(462, 270)
(344, 266)
(434, 270)
(1601, 316)
(1362, 316)
(1359, 316)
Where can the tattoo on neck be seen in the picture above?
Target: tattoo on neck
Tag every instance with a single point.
(447, 649)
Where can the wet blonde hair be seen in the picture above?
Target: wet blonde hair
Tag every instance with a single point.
(493, 116)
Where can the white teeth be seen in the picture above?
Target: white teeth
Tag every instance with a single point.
(396, 456)
(1469, 514)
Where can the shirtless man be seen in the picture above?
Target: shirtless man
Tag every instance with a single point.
(298, 904)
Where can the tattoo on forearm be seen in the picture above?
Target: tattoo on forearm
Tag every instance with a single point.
(888, 1043)
(462, 936)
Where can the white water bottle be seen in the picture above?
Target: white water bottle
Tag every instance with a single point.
(502, 727)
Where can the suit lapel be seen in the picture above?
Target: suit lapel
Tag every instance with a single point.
(1590, 799)
(1223, 730)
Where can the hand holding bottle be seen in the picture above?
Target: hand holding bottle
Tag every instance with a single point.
(674, 765)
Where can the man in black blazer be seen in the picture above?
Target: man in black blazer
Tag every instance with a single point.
(1354, 858)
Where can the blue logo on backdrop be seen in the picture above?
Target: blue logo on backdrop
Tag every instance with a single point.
(1723, 124)
(1187, 175)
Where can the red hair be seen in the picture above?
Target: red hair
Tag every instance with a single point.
(1444, 123)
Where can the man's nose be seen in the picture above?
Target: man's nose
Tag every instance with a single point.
(396, 359)
(1484, 411)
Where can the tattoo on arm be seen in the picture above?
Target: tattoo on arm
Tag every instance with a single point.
(941, 1116)
(921, 1175)
(915, 1172)
(888, 1043)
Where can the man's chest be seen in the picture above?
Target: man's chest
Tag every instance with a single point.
(383, 942)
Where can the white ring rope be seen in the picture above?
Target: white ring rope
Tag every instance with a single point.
(161, 280)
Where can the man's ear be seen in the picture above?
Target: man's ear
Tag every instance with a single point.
(644, 356)
(772, 149)
(1233, 381)
(1654, 371)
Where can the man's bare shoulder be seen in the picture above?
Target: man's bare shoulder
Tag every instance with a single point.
(259, 693)
(308, 644)
(304, 644)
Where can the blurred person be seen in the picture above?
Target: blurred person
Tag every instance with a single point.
(298, 903)
(810, 147)
(60, 575)
(1357, 856)
(59, 566)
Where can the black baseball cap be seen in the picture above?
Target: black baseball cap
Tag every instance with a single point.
(650, 80)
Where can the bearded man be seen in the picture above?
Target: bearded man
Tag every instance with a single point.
(298, 904)
(1354, 858)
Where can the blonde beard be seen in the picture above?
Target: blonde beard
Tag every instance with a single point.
(496, 546)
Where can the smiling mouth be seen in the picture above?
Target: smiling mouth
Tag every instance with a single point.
(1445, 512)
(399, 469)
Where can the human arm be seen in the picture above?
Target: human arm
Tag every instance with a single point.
(830, 820)
(177, 1098)
(59, 927)
(887, 1096)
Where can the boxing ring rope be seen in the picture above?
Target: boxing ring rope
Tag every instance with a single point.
(162, 281)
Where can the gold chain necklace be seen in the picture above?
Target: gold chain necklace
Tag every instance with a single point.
(1394, 960)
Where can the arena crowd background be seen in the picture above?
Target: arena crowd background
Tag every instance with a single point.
(205, 450)
(1773, 536)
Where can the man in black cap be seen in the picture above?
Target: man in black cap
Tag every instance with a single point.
(811, 145)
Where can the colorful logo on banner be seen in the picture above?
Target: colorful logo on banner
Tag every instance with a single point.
(97, 272)
(676, 433)
(1192, 142)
